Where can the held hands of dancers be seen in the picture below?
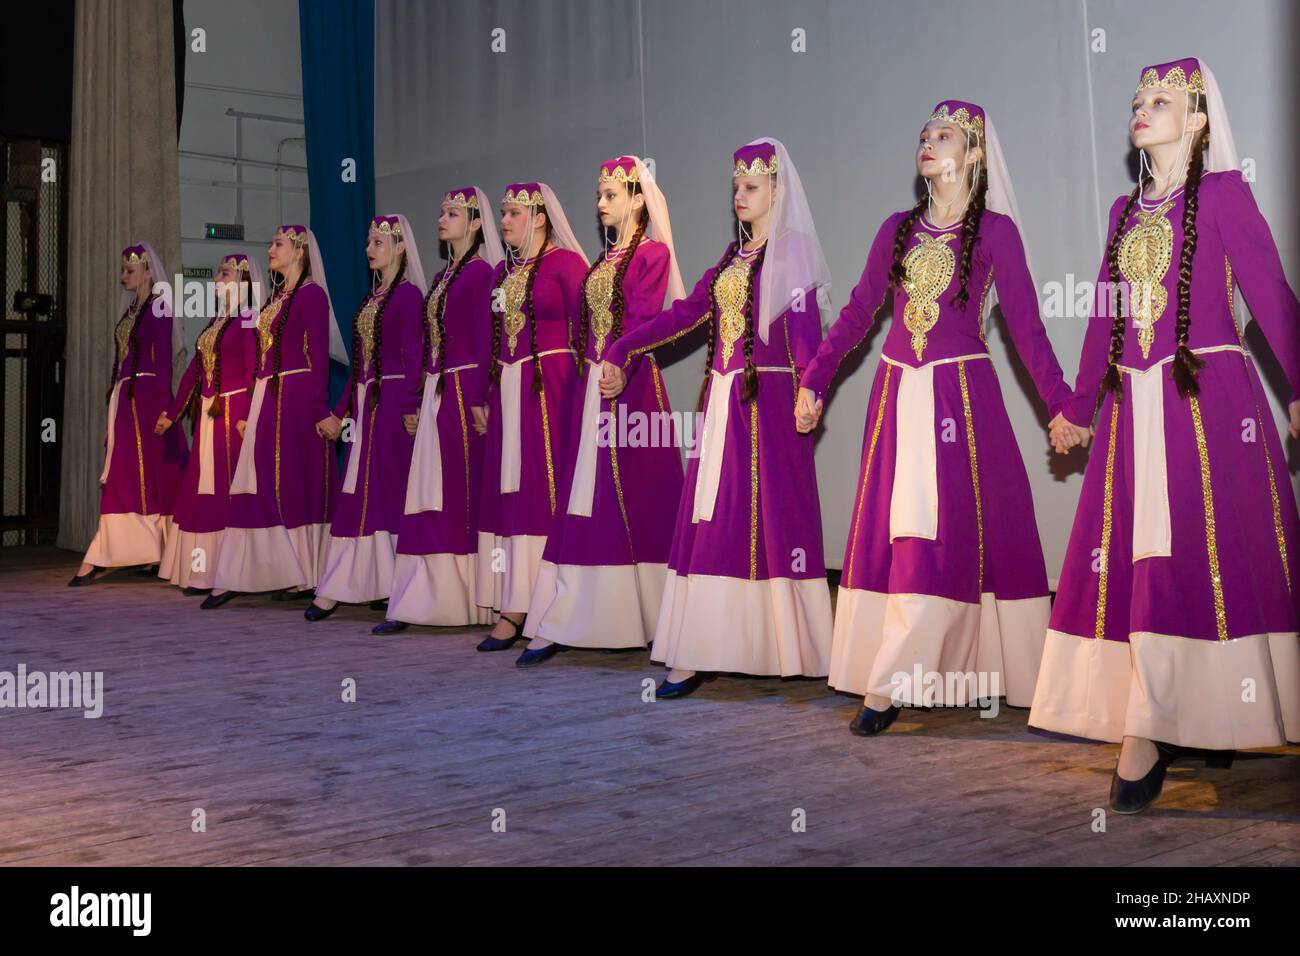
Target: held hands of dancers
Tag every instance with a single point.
(410, 423)
(480, 415)
(1064, 435)
(329, 427)
(1293, 429)
(807, 411)
(239, 427)
(162, 424)
(612, 380)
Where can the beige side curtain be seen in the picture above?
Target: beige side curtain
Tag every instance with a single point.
(125, 188)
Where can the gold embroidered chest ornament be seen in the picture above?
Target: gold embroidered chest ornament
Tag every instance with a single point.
(732, 287)
(1144, 258)
(207, 346)
(123, 333)
(513, 289)
(600, 297)
(266, 322)
(366, 327)
(927, 271)
(431, 316)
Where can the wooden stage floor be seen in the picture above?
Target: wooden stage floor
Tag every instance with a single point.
(239, 712)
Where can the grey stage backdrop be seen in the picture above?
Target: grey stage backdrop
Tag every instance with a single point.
(846, 86)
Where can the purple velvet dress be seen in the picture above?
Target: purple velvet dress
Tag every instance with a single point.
(285, 480)
(602, 576)
(224, 363)
(524, 427)
(437, 537)
(142, 471)
(1176, 615)
(363, 534)
(746, 586)
(943, 568)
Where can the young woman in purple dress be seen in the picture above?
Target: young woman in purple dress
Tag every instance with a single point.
(602, 574)
(746, 585)
(943, 575)
(142, 470)
(1174, 631)
(383, 398)
(217, 390)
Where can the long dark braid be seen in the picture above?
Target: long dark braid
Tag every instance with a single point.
(901, 234)
(617, 306)
(750, 387)
(218, 403)
(1186, 362)
(530, 316)
(281, 318)
(441, 309)
(713, 320)
(970, 227)
(1112, 381)
(372, 396)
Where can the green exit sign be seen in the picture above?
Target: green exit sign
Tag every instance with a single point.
(198, 272)
(223, 230)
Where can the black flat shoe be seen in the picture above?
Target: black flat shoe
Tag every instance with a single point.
(216, 600)
(870, 722)
(147, 570)
(667, 690)
(316, 613)
(81, 580)
(381, 605)
(289, 594)
(531, 658)
(195, 592)
(389, 626)
(491, 643)
(1134, 796)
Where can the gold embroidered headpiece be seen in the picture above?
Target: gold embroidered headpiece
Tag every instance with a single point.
(756, 160)
(466, 198)
(295, 234)
(524, 194)
(387, 226)
(237, 261)
(1184, 74)
(966, 116)
(621, 170)
(134, 254)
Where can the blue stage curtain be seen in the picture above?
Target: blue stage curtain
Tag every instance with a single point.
(338, 82)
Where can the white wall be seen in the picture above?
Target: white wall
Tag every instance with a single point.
(687, 82)
(253, 57)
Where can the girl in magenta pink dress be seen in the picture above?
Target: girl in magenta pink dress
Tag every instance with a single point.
(285, 479)
(532, 371)
(602, 574)
(217, 390)
(437, 539)
(746, 585)
(382, 398)
(943, 571)
(142, 470)
(1174, 630)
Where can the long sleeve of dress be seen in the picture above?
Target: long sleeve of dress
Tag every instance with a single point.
(1019, 299)
(1080, 408)
(805, 332)
(859, 313)
(316, 320)
(643, 291)
(186, 386)
(408, 302)
(570, 270)
(681, 317)
(1258, 268)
